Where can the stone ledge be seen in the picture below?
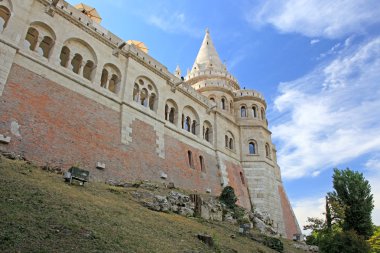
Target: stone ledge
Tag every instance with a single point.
(5, 139)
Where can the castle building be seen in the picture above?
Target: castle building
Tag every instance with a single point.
(73, 93)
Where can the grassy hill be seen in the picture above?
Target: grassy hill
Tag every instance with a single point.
(40, 213)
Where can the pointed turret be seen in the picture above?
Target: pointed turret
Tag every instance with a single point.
(177, 72)
(209, 69)
(207, 57)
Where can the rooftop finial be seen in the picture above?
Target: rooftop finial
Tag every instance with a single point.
(207, 30)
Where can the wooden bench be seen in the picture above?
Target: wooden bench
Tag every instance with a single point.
(75, 173)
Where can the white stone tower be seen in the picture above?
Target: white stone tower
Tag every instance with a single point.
(240, 114)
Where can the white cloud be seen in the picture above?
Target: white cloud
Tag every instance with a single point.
(309, 207)
(176, 22)
(314, 41)
(322, 18)
(331, 115)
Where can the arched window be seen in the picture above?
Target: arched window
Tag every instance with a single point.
(76, 63)
(136, 93)
(144, 97)
(252, 148)
(110, 79)
(46, 45)
(5, 14)
(31, 38)
(242, 178)
(183, 121)
(243, 112)
(148, 95)
(262, 113)
(87, 70)
(223, 104)
(231, 144)
(212, 99)
(226, 141)
(65, 56)
(104, 79)
(190, 159)
(201, 161)
(166, 112)
(254, 111)
(172, 115)
(113, 84)
(152, 100)
(193, 127)
(267, 150)
(187, 124)
(207, 134)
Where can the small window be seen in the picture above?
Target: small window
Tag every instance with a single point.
(166, 112)
(267, 150)
(187, 124)
(136, 92)
(242, 178)
(226, 141)
(171, 115)
(252, 148)
(152, 101)
(201, 161)
(223, 104)
(207, 134)
(76, 63)
(262, 113)
(254, 111)
(190, 159)
(88, 69)
(193, 127)
(65, 56)
(231, 144)
(243, 112)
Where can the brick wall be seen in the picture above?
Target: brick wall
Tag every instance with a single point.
(61, 127)
(239, 183)
(291, 225)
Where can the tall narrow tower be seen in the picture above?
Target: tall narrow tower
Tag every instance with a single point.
(240, 116)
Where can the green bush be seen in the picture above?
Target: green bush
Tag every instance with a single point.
(274, 243)
(228, 197)
(347, 242)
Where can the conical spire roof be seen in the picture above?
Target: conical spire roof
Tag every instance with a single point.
(207, 57)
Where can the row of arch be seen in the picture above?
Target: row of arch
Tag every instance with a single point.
(252, 111)
(189, 120)
(253, 148)
(75, 55)
(224, 104)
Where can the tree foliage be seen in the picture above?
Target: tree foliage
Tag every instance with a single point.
(347, 242)
(347, 222)
(353, 201)
(374, 241)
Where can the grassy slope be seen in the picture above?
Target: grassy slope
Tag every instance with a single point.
(40, 213)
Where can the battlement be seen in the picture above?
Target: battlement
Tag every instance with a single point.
(194, 77)
(248, 93)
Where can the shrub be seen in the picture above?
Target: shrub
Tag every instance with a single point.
(347, 242)
(228, 197)
(274, 243)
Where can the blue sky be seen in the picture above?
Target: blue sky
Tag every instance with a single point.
(317, 62)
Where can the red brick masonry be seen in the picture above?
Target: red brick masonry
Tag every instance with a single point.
(63, 128)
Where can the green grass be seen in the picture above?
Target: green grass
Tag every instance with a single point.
(41, 213)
